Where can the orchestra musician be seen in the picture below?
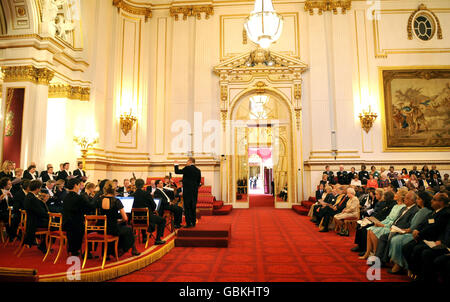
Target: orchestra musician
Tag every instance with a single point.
(166, 204)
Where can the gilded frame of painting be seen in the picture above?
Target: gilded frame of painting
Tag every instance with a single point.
(392, 143)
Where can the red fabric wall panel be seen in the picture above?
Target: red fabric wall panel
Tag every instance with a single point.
(12, 135)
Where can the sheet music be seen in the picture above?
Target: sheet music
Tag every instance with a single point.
(396, 229)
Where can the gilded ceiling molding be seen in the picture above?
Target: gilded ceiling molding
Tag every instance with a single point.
(133, 9)
(69, 92)
(327, 5)
(423, 7)
(191, 10)
(41, 76)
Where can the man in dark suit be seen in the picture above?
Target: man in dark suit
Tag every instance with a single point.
(435, 181)
(342, 176)
(329, 173)
(122, 191)
(30, 173)
(403, 221)
(166, 205)
(37, 215)
(434, 171)
(143, 199)
(319, 192)
(65, 173)
(74, 209)
(431, 231)
(48, 175)
(399, 182)
(80, 173)
(191, 181)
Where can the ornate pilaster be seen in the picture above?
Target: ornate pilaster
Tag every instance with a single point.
(327, 5)
(41, 76)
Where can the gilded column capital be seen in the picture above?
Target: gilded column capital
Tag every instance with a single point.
(69, 92)
(327, 5)
(41, 76)
(191, 10)
(133, 9)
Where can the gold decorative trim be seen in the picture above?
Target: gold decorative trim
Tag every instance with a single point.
(41, 76)
(191, 10)
(70, 92)
(132, 9)
(423, 7)
(327, 5)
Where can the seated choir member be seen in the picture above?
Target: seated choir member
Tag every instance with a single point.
(392, 175)
(372, 182)
(37, 215)
(6, 201)
(383, 206)
(363, 175)
(383, 182)
(113, 209)
(374, 172)
(414, 171)
(48, 174)
(30, 173)
(402, 223)
(75, 207)
(329, 197)
(397, 241)
(434, 171)
(383, 227)
(143, 199)
(328, 212)
(351, 211)
(54, 204)
(64, 174)
(432, 230)
(351, 175)
(329, 174)
(60, 192)
(7, 170)
(18, 204)
(36, 172)
(166, 204)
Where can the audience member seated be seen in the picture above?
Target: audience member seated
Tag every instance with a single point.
(426, 171)
(399, 182)
(435, 180)
(383, 182)
(167, 205)
(351, 211)
(431, 231)
(368, 202)
(380, 228)
(372, 182)
(384, 172)
(327, 198)
(37, 215)
(324, 181)
(434, 171)
(392, 175)
(327, 213)
(373, 171)
(404, 174)
(436, 260)
(446, 180)
(355, 181)
(351, 175)
(415, 172)
(413, 183)
(320, 191)
(342, 176)
(88, 195)
(143, 199)
(7, 170)
(401, 224)
(363, 175)
(398, 240)
(329, 174)
(423, 182)
(385, 203)
(113, 209)
(75, 207)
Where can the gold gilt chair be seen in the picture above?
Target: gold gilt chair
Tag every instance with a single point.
(3, 228)
(21, 229)
(140, 220)
(168, 216)
(39, 232)
(98, 227)
(55, 231)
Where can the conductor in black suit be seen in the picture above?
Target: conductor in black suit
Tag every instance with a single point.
(191, 181)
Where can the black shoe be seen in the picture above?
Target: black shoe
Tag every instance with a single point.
(177, 226)
(159, 242)
(188, 226)
(400, 272)
(43, 249)
(135, 253)
(362, 253)
(323, 231)
(89, 256)
(355, 249)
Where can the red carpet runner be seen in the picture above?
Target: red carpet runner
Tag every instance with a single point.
(261, 200)
(267, 244)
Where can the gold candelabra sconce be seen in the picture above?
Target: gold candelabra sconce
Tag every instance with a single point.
(367, 119)
(127, 121)
(85, 143)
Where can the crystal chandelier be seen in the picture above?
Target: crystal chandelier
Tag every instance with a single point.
(264, 25)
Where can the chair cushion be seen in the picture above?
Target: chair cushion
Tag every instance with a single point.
(97, 236)
(41, 230)
(57, 233)
(140, 225)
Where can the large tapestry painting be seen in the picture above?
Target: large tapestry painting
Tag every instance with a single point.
(417, 108)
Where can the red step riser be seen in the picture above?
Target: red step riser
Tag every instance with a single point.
(201, 242)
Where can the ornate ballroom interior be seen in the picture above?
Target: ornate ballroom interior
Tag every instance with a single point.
(184, 69)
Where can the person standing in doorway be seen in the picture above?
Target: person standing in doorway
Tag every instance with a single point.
(191, 182)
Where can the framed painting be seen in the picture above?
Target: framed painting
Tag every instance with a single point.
(416, 109)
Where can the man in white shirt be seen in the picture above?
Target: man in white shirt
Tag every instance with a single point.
(167, 205)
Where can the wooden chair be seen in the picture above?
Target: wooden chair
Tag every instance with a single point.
(39, 232)
(351, 223)
(141, 222)
(168, 216)
(98, 235)
(3, 228)
(55, 231)
(21, 229)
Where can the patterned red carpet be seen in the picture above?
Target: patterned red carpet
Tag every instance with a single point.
(267, 245)
(261, 200)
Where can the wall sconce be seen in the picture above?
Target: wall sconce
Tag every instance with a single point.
(85, 143)
(127, 121)
(367, 119)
